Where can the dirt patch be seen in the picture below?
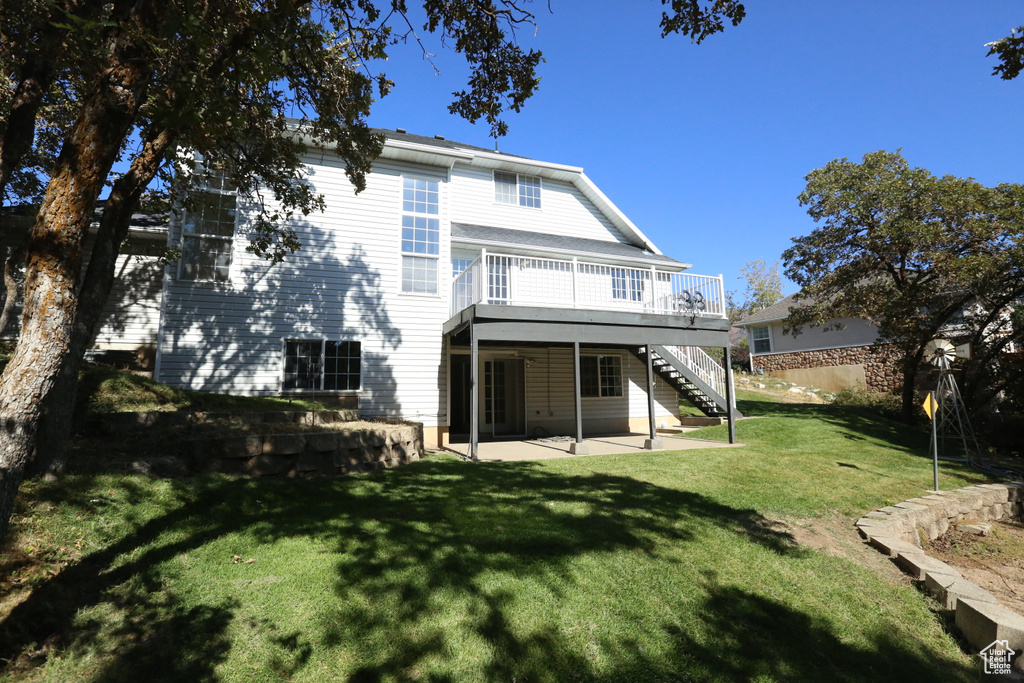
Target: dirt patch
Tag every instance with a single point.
(835, 535)
(995, 562)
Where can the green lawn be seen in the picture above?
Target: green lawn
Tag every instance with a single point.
(653, 567)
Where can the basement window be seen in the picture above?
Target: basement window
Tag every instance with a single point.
(322, 365)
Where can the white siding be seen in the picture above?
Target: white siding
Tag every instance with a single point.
(856, 333)
(132, 312)
(564, 210)
(550, 405)
(343, 284)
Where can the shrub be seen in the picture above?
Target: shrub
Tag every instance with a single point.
(886, 404)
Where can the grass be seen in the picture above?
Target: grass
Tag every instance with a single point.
(107, 390)
(669, 566)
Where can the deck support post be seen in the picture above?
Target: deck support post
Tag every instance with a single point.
(474, 394)
(653, 443)
(730, 396)
(578, 447)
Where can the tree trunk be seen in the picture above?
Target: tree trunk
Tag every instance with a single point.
(56, 427)
(54, 265)
(14, 259)
(911, 363)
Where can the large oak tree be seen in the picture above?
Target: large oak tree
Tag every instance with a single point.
(146, 81)
(918, 255)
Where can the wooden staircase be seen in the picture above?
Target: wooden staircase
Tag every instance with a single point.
(689, 381)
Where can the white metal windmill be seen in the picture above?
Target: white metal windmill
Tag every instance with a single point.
(951, 421)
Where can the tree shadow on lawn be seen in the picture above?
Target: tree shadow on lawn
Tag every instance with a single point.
(759, 638)
(410, 544)
(859, 423)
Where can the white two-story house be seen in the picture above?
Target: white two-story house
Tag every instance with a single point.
(483, 294)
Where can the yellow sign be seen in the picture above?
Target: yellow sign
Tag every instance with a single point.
(930, 405)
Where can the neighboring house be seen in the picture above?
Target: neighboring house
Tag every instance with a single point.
(127, 330)
(829, 359)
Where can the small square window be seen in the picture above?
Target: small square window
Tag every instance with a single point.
(762, 339)
(511, 188)
(600, 376)
(505, 188)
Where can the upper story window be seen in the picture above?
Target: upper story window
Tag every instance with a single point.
(600, 376)
(762, 339)
(421, 236)
(208, 228)
(514, 188)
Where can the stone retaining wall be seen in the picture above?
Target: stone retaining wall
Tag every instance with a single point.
(118, 423)
(326, 453)
(881, 365)
(897, 531)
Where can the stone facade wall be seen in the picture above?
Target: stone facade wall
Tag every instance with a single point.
(881, 365)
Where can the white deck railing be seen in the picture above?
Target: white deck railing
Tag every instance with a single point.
(502, 279)
(702, 365)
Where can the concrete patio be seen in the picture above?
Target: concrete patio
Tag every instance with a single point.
(509, 451)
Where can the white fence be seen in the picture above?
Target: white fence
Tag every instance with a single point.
(527, 281)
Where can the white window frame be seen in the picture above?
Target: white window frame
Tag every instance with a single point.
(324, 341)
(206, 188)
(600, 384)
(403, 255)
(754, 339)
(523, 181)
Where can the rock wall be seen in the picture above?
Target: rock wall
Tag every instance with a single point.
(308, 454)
(881, 365)
(897, 530)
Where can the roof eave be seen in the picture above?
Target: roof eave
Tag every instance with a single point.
(549, 253)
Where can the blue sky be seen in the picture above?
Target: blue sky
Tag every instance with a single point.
(705, 147)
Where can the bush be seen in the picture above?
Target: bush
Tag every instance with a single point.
(886, 404)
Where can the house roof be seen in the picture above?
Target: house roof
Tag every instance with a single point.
(777, 311)
(463, 232)
(24, 215)
(437, 141)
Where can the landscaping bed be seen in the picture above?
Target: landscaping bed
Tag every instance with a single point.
(994, 561)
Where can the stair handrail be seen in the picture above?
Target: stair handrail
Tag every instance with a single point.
(701, 364)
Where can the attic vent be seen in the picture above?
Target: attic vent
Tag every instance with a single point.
(399, 130)
(439, 137)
